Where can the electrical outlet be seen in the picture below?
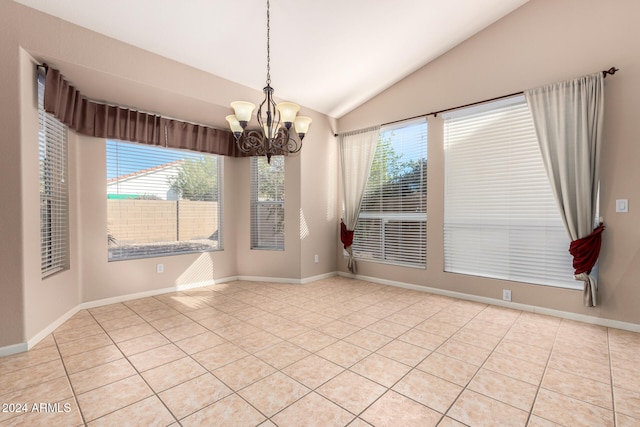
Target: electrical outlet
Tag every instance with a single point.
(316, 259)
(506, 294)
(159, 268)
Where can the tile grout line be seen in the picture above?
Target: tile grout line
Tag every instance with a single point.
(234, 391)
(75, 395)
(544, 373)
(314, 390)
(411, 368)
(479, 367)
(613, 396)
(302, 298)
(138, 373)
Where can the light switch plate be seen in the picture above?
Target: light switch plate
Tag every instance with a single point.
(622, 205)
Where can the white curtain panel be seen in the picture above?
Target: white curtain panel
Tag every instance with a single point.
(357, 150)
(568, 120)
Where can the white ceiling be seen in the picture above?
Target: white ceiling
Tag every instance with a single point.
(328, 55)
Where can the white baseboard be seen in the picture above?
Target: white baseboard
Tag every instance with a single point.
(18, 348)
(154, 292)
(269, 279)
(286, 280)
(8, 350)
(508, 304)
(21, 347)
(51, 327)
(319, 277)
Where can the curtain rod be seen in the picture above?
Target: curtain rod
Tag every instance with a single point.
(605, 73)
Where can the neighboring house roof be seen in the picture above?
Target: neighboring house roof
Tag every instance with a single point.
(154, 182)
(139, 173)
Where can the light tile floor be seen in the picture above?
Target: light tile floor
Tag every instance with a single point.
(335, 352)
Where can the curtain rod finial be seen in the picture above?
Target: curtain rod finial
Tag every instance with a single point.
(611, 71)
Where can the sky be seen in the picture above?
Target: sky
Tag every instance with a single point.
(405, 136)
(124, 157)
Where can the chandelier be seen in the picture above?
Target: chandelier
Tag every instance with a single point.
(274, 135)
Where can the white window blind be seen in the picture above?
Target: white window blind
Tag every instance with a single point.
(392, 226)
(54, 206)
(267, 203)
(501, 220)
(162, 201)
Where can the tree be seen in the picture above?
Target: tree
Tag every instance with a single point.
(394, 182)
(386, 162)
(269, 196)
(270, 178)
(197, 179)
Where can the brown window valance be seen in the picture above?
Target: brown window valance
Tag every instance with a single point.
(92, 118)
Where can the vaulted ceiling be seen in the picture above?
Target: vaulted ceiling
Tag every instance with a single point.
(328, 55)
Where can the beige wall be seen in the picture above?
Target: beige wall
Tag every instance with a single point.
(103, 68)
(101, 279)
(318, 216)
(11, 282)
(266, 263)
(48, 298)
(542, 42)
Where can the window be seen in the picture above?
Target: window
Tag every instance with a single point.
(267, 203)
(392, 226)
(501, 219)
(54, 206)
(162, 201)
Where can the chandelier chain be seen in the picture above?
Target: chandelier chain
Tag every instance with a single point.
(268, 50)
(280, 130)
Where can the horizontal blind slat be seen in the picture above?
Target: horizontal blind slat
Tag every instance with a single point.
(267, 203)
(162, 201)
(501, 219)
(54, 219)
(392, 222)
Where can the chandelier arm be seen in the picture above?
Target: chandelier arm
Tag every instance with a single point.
(252, 142)
(285, 143)
(272, 138)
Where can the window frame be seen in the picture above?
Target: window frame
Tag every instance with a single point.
(379, 248)
(162, 248)
(257, 240)
(54, 193)
(508, 240)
